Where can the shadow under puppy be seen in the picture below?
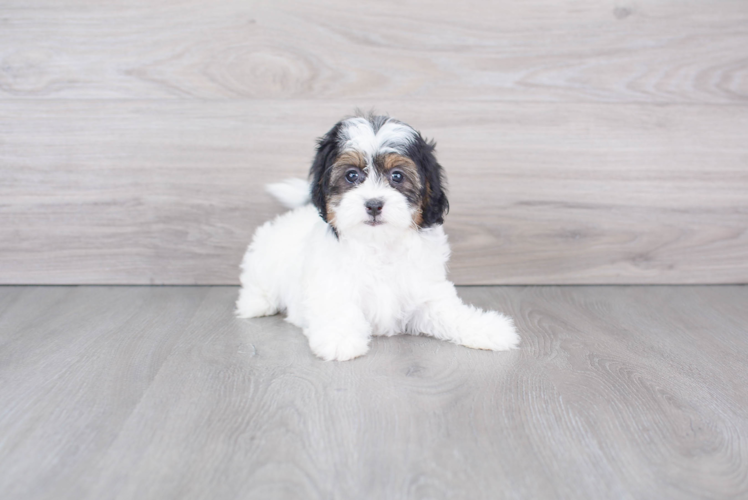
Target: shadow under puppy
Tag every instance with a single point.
(363, 251)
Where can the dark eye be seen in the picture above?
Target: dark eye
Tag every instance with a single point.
(397, 177)
(351, 176)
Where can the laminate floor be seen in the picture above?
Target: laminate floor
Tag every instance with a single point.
(159, 392)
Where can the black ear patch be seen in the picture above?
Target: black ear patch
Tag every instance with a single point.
(434, 204)
(327, 152)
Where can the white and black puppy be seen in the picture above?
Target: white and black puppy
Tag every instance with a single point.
(363, 252)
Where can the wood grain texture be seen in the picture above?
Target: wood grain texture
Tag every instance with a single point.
(170, 192)
(540, 50)
(159, 392)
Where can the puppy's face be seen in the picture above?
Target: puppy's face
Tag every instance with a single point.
(372, 174)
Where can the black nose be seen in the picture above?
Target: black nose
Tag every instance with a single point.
(374, 206)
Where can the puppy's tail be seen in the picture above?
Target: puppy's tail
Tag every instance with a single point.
(292, 193)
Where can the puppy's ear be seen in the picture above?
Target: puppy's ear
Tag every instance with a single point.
(434, 204)
(319, 173)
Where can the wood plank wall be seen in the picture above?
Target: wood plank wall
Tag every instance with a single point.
(585, 141)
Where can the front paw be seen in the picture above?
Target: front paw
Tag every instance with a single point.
(491, 331)
(338, 346)
(252, 303)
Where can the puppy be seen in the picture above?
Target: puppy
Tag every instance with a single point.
(363, 251)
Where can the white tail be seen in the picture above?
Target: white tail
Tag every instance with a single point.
(292, 193)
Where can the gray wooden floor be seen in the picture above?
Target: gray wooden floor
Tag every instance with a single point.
(159, 392)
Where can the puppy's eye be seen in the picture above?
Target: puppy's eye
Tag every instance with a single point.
(352, 175)
(397, 177)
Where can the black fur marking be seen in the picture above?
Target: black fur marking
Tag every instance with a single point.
(433, 191)
(376, 121)
(327, 151)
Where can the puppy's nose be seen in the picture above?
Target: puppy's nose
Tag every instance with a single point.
(374, 206)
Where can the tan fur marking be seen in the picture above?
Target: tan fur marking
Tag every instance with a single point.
(409, 168)
(331, 215)
(404, 163)
(342, 163)
(345, 160)
(418, 216)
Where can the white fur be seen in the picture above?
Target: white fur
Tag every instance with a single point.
(392, 137)
(381, 280)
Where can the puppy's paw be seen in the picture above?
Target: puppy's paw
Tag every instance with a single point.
(338, 346)
(252, 303)
(489, 330)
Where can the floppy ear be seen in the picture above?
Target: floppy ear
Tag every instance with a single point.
(434, 204)
(327, 151)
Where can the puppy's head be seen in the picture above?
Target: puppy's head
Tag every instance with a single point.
(373, 174)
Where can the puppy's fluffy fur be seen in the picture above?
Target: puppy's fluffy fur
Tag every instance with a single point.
(363, 251)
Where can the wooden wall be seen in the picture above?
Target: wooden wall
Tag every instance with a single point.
(585, 141)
